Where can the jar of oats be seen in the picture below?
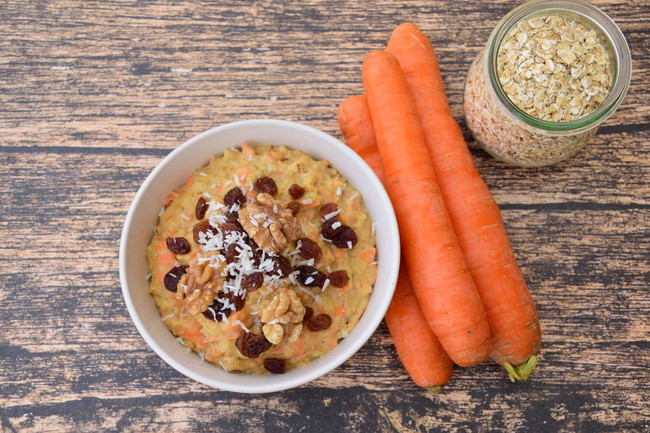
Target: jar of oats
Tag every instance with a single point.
(551, 72)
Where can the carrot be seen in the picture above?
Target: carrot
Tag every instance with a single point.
(439, 274)
(476, 218)
(356, 126)
(417, 346)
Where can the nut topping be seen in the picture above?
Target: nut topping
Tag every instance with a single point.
(202, 284)
(283, 317)
(270, 224)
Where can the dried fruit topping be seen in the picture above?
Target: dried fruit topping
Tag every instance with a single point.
(309, 313)
(327, 209)
(294, 207)
(231, 227)
(239, 301)
(253, 281)
(173, 277)
(232, 253)
(330, 228)
(346, 237)
(308, 249)
(234, 196)
(201, 208)
(214, 311)
(282, 266)
(296, 191)
(204, 227)
(338, 278)
(266, 185)
(233, 217)
(319, 322)
(221, 306)
(251, 345)
(274, 365)
(178, 245)
(310, 276)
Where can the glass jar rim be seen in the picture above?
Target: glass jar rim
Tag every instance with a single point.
(599, 20)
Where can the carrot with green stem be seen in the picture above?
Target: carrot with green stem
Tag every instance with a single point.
(417, 346)
(440, 277)
(476, 218)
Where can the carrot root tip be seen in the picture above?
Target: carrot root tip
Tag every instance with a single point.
(521, 371)
(434, 389)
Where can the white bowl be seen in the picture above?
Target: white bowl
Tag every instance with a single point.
(174, 170)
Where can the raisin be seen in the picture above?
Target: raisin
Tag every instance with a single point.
(258, 252)
(320, 322)
(239, 301)
(294, 207)
(203, 226)
(309, 249)
(201, 208)
(173, 277)
(346, 237)
(251, 345)
(281, 266)
(231, 227)
(232, 253)
(309, 313)
(266, 185)
(296, 191)
(234, 196)
(217, 308)
(233, 217)
(253, 281)
(338, 278)
(327, 209)
(178, 245)
(274, 365)
(310, 276)
(330, 228)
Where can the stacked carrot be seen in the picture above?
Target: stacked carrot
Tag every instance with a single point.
(464, 298)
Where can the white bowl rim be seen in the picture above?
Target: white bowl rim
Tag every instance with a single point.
(389, 259)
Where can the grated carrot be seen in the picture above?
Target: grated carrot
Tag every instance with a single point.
(367, 255)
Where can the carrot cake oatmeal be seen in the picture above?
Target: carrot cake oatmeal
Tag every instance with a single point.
(263, 261)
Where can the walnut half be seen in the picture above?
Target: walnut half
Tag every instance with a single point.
(200, 286)
(270, 224)
(283, 316)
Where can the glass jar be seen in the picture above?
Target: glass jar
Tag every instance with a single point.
(510, 133)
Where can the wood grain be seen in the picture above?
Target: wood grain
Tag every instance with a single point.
(94, 94)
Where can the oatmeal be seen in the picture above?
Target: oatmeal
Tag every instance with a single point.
(263, 261)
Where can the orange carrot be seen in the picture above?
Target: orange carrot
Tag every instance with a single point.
(417, 346)
(439, 274)
(476, 218)
(356, 126)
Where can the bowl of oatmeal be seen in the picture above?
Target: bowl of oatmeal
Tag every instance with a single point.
(259, 255)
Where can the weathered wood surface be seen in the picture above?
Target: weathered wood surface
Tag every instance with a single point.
(94, 94)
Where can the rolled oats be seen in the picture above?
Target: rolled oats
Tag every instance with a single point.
(554, 68)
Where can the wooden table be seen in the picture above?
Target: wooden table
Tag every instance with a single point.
(94, 94)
